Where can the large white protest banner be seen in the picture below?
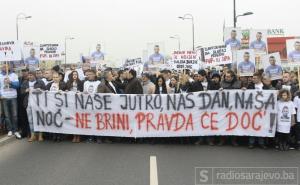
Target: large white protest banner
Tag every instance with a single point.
(185, 60)
(51, 52)
(217, 55)
(235, 112)
(10, 51)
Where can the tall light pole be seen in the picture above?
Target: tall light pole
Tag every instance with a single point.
(178, 40)
(190, 16)
(19, 17)
(67, 38)
(236, 16)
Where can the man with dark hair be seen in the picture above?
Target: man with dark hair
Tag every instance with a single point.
(47, 77)
(22, 114)
(197, 85)
(26, 87)
(258, 44)
(286, 83)
(9, 83)
(107, 85)
(148, 86)
(230, 82)
(121, 81)
(167, 76)
(257, 85)
(39, 74)
(134, 86)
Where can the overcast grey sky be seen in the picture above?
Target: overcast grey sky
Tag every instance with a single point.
(125, 26)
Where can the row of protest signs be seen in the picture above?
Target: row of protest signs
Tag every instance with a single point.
(16, 51)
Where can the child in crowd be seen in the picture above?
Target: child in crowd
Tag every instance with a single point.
(286, 111)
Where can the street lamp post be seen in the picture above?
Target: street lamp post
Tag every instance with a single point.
(67, 38)
(178, 39)
(235, 16)
(190, 16)
(19, 17)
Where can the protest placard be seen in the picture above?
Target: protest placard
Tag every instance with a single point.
(10, 51)
(245, 62)
(136, 64)
(217, 55)
(235, 112)
(272, 66)
(27, 46)
(293, 51)
(51, 52)
(185, 60)
(258, 41)
(228, 32)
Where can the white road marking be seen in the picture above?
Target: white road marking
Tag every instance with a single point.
(153, 171)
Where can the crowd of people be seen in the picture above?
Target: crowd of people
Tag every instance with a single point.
(17, 117)
(19, 122)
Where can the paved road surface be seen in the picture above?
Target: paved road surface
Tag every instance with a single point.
(48, 163)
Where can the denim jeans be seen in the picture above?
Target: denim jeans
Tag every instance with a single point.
(11, 113)
(30, 118)
(261, 140)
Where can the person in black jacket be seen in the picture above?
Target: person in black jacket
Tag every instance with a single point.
(75, 85)
(134, 86)
(29, 85)
(174, 85)
(258, 85)
(160, 86)
(56, 85)
(215, 82)
(22, 114)
(230, 81)
(121, 81)
(196, 86)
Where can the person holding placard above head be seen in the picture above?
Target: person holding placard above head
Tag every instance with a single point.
(156, 57)
(233, 42)
(258, 44)
(294, 56)
(9, 83)
(273, 71)
(32, 62)
(246, 68)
